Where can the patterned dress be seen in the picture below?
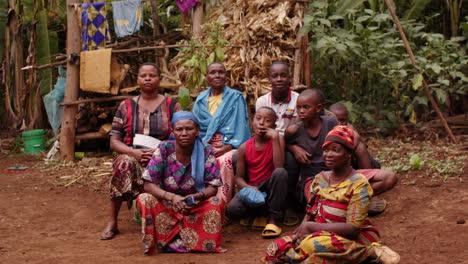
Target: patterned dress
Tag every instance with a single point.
(345, 202)
(130, 119)
(162, 227)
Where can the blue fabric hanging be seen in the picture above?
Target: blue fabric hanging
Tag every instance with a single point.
(128, 17)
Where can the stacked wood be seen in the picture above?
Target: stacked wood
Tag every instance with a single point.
(259, 32)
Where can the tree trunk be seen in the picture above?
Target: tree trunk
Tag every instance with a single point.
(67, 134)
(197, 20)
(14, 83)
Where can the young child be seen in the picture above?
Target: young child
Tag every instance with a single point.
(366, 161)
(260, 165)
(341, 114)
(305, 138)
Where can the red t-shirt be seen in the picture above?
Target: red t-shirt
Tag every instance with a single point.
(259, 162)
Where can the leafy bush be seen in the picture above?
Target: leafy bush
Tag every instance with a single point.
(359, 58)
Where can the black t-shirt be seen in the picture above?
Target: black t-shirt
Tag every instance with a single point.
(313, 145)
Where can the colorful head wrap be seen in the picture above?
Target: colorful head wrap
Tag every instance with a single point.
(198, 155)
(343, 135)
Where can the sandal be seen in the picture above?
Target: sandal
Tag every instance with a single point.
(110, 234)
(275, 231)
(291, 218)
(246, 221)
(377, 206)
(259, 223)
(385, 255)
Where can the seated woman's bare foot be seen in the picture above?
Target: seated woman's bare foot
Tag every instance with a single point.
(110, 231)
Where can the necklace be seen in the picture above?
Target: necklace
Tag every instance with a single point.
(341, 179)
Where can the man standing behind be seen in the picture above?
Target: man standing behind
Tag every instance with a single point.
(283, 101)
(281, 98)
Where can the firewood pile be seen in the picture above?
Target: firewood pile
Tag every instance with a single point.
(259, 32)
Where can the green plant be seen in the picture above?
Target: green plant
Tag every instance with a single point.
(197, 56)
(416, 162)
(184, 98)
(359, 58)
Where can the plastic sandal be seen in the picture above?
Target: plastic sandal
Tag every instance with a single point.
(259, 223)
(275, 231)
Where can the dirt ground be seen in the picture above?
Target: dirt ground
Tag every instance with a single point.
(44, 222)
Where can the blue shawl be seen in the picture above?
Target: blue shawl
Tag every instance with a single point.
(198, 154)
(231, 119)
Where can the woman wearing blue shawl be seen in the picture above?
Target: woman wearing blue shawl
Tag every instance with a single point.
(179, 209)
(224, 122)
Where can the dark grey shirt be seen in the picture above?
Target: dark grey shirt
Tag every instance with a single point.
(313, 145)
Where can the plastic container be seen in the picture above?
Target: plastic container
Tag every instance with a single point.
(33, 141)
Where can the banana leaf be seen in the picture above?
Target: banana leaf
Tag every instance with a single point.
(43, 47)
(344, 5)
(3, 17)
(417, 6)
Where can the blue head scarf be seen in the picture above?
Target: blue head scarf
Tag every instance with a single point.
(198, 156)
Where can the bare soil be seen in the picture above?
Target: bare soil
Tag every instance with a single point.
(44, 222)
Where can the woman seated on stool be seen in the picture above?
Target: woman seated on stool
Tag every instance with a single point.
(179, 210)
(336, 228)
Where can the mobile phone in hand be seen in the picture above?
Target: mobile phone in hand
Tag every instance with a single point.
(190, 201)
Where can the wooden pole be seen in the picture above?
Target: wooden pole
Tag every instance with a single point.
(67, 134)
(197, 20)
(297, 70)
(307, 65)
(413, 60)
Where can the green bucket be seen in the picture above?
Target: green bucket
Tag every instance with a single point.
(33, 141)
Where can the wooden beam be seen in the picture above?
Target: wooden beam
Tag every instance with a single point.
(67, 134)
(413, 60)
(96, 100)
(90, 135)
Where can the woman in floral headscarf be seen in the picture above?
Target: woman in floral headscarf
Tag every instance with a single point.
(336, 228)
(179, 210)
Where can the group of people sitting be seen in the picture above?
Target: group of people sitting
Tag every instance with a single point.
(211, 171)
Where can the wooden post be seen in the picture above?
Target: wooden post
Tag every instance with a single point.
(156, 32)
(413, 60)
(197, 20)
(298, 58)
(67, 134)
(307, 65)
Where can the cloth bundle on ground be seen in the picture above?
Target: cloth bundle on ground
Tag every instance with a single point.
(252, 197)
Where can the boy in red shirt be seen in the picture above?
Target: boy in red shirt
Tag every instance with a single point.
(260, 165)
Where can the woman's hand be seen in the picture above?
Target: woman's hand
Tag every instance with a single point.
(304, 230)
(142, 155)
(178, 203)
(220, 148)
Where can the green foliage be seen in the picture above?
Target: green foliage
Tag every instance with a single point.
(197, 56)
(416, 162)
(437, 160)
(360, 58)
(184, 98)
(417, 6)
